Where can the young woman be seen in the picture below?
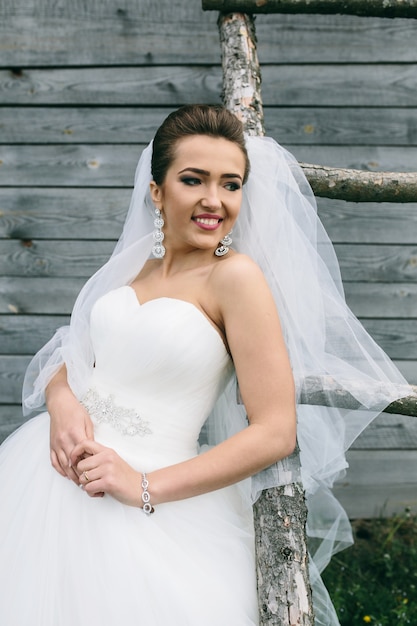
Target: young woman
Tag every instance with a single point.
(143, 407)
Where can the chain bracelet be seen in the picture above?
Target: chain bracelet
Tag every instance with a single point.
(146, 498)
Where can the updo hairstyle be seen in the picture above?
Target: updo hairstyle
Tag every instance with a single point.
(189, 120)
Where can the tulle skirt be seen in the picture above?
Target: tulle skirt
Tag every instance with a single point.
(67, 559)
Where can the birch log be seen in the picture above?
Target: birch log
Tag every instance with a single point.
(361, 186)
(241, 71)
(284, 594)
(282, 562)
(324, 391)
(369, 8)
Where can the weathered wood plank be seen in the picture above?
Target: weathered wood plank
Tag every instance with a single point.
(377, 263)
(293, 125)
(72, 259)
(99, 214)
(10, 418)
(23, 334)
(388, 432)
(114, 166)
(75, 125)
(283, 85)
(72, 166)
(175, 32)
(397, 300)
(144, 32)
(127, 86)
(380, 482)
(373, 263)
(349, 126)
(397, 337)
(372, 158)
(408, 369)
(56, 295)
(348, 222)
(22, 296)
(57, 213)
(12, 371)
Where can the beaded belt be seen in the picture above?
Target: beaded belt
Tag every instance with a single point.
(104, 411)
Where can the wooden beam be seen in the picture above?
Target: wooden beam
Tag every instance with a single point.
(368, 8)
(324, 391)
(361, 186)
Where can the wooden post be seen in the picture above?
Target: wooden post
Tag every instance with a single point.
(280, 514)
(241, 71)
(369, 8)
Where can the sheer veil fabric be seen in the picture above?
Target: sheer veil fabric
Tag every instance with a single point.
(279, 228)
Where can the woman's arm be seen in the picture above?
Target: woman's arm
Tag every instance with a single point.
(255, 339)
(70, 423)
(252, 327)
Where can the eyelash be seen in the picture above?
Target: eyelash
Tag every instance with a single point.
(191, 181)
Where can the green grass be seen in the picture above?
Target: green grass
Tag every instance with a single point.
(375, 581)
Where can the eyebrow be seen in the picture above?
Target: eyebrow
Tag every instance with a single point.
(196, 170)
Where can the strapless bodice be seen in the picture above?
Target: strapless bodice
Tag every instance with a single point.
(159, 368)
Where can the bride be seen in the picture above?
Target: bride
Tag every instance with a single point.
(144, 419)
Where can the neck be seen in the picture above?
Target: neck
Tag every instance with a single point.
(175, 262)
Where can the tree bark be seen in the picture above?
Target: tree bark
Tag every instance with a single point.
(241, 72)
(371, 8)
(284, 594)
(361, 186)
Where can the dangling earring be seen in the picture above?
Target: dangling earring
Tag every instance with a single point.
(224, 245)
(158, 249)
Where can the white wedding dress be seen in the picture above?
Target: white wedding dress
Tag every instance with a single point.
(67, 559)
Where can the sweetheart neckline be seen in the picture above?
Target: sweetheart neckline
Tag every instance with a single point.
(186, 302)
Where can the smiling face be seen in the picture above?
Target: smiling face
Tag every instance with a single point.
(201, 194)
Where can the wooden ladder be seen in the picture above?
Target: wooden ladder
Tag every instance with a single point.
(284, 594)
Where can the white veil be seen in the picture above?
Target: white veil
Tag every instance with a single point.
(278, 227)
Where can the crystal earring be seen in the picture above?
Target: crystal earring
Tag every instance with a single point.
(224, 245)
(158, 249)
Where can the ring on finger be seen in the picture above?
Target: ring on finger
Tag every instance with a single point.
(86, 477)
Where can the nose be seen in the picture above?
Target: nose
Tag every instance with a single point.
(211, 199)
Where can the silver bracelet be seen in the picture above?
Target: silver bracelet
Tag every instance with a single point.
(146, 498)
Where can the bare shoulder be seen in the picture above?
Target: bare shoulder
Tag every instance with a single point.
(239, 277)
(236, 272)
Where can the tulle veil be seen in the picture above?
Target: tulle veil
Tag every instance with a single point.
(279, 228)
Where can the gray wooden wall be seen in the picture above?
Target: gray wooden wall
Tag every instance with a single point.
(83, 86)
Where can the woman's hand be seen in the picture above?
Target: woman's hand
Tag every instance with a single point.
(101, 470)
(70, 423)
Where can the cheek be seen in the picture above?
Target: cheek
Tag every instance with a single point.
(236, 205)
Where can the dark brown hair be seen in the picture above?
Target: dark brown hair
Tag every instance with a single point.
(194, 119)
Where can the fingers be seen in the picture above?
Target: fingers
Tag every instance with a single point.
(88, 480)
(67, 430)
(84, 449)
(61, 465)
(56, 464)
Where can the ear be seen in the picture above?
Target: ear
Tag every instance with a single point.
(156, 194)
